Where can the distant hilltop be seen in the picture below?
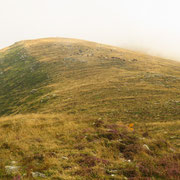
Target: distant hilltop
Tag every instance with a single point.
(54, 73)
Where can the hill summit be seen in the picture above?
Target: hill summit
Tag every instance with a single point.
(58, 74)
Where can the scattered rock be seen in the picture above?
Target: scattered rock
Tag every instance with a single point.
(173, 101)
(172, 150)
(178, 145)
(134, 60)
(38, 174)
(12, 169)
(145, 146)
(112, 172)
(122, 159)
(13, 162)
(54, 95)
(64, 157)
(89, 55)
(115, 57)
(45, 99)
(173, 137)
(142, 138)
(33, 91)
(69, 59)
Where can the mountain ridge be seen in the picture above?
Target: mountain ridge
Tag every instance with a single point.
(75, 109)
(62, 63)
(70, 40)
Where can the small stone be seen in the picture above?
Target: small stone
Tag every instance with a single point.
(145, 146)
(33, 91)
(12, 169)
(114, 171)
(64, 157)
(13, 162)
(122, 159)
(134, 59)
(142, 138)
(54, 95)
(38, 174)
(173, 137)
(171, 149)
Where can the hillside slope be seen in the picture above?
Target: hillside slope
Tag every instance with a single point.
(65, 75)
(96, 105)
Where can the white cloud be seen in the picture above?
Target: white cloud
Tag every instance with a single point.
(151, 25)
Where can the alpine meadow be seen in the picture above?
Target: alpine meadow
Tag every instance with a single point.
(74, 109)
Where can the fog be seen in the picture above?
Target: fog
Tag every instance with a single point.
(151, 26)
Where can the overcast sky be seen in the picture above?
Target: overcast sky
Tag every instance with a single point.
(152, 26)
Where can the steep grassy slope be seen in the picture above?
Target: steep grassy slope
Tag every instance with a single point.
(65, 75)
(19, 74)
(84, 97)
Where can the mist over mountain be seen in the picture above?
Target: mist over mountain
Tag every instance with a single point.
(148, 26)
(159, 50)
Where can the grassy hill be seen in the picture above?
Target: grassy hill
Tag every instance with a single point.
(74, 109)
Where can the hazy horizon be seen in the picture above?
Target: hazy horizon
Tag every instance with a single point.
(147, 26)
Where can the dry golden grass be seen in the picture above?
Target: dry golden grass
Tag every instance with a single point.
(63, 146)
(85, 109)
